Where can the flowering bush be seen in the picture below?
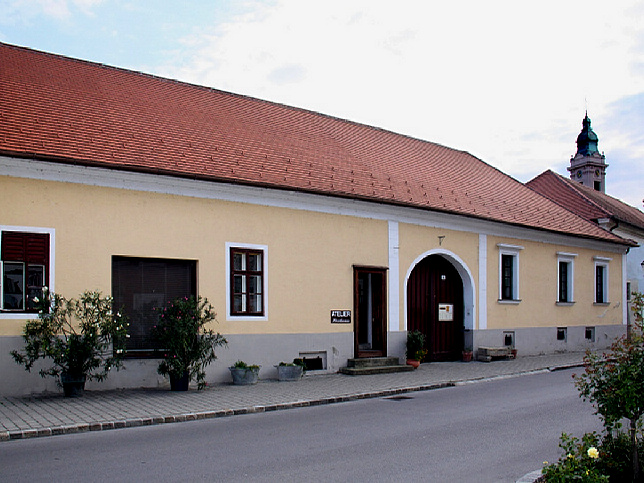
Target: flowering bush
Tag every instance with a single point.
(82, 337)
(187, 346)
(614, 383)
(579, 462)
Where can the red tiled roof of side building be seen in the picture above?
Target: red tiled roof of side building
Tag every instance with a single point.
(585, 201)
(72, 111)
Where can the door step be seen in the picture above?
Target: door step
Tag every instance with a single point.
(374, 365)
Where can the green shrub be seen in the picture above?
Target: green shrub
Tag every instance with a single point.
(187, 346)
(580, 461)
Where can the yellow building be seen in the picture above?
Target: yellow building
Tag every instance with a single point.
(312, 236)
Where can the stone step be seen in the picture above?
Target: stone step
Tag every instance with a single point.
(373, 362)
(361, 371)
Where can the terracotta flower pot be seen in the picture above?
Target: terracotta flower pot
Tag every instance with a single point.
(413, 362)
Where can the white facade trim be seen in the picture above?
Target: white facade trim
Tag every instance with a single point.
(120, 179)
(482, 282)
(626, 295)
(394, 277)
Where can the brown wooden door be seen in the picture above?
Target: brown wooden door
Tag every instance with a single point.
(435, 307)
(370, 320)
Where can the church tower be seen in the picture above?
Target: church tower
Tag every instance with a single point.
(588, 166)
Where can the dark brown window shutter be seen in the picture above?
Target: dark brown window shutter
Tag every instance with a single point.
(25, 247)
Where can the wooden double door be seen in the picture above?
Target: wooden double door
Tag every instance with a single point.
(435, 307)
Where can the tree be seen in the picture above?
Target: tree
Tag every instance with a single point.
(614, 382)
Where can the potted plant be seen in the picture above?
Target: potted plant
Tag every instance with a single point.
(84, 338)
(185, 343)
(467, 354)
(244, 374)
(416, 351)
(291, 371)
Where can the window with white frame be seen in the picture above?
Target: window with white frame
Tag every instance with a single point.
(601, 279)
(24, 268)
(509, 272)
(565, 277)
(247, 280)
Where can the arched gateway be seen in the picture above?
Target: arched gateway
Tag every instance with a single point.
(440, 304)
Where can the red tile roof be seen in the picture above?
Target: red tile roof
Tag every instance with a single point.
(585, 201)
(72, 111)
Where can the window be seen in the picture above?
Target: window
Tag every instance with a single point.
(247, 281)
(247, 273)
(24, 265)
(509, 272)
(565, 277)
(601, 280)
(142, 285)
(562, 333)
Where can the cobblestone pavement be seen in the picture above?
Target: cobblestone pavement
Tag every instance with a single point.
(46, 415)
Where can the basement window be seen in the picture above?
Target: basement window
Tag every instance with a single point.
(314, 361)
(562, 333)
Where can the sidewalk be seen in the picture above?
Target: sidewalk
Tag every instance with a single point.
(49, 415)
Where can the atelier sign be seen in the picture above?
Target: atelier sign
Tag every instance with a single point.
(340, 316)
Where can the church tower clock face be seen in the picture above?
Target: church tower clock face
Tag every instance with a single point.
(579, 174)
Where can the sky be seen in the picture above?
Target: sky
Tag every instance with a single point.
(508, 81)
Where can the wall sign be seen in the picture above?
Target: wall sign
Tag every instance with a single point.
(340, 316)
(446, 312)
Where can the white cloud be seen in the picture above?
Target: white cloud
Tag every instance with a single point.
(19, 11)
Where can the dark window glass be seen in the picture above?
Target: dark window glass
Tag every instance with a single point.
(563, 282)
(600, 296)
(140, 286)
(507, 274)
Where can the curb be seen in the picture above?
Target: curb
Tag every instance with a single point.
(530, 477)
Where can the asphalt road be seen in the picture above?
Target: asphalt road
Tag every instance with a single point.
(493, 431)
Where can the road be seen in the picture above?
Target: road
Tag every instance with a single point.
(493, 431)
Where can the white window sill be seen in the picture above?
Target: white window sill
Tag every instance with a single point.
(509, 302)
(565, 304)
(601, 304)
(18, 315)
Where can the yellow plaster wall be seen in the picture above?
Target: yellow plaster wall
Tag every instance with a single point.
(538, 288)
(415, 240)
(310, 255)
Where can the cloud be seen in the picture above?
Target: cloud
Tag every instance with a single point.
(287, 74)
(23, 11)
